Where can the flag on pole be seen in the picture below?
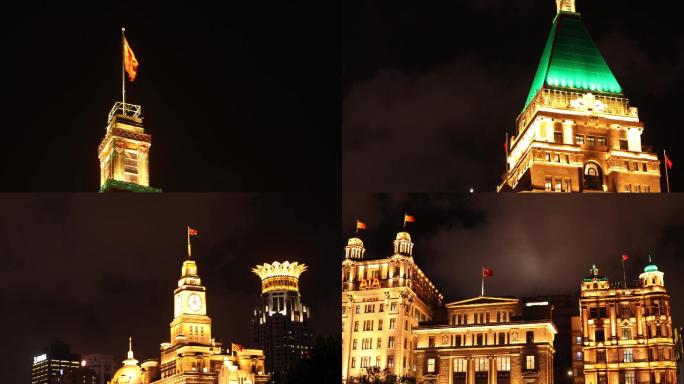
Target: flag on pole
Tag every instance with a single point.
(409, 218)
(625, 257)
(130, 62)
(486, 272)
(506, 144)
(668, 162)
(360, 225)
(192, 232)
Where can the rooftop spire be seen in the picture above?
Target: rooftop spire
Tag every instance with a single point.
(130, 348)
(565, 6)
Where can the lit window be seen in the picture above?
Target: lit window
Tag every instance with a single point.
(601, 141)
(393, 324)
(548, 156)
(630, 377)
(482, 364)
(431, 365)
(390, 361)
(591, 140)
(529, 362)
(354, 344)
(353, 362)
(628, 356)
(626, 333)
(579, 139)
(547, 183)
(628, 188)
(460, 365)
(390, 342)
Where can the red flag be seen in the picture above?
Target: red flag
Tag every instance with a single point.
(409, 218)
(130, 62)
(625, 257)
(360, 225)
(668, 162)
(486, 272)
(506, 145)
(236, 347)
(192, 232)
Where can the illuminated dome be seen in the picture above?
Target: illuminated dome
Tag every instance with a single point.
(651, 268)
(403, 236)
(355, 241)
(130, 373)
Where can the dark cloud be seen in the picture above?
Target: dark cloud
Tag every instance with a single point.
(431, 89)
(93, 269)
(536, 245)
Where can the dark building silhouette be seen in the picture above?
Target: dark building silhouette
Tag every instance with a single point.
(55, 365)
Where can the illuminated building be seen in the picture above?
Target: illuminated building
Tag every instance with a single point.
(383, 300)
(577, 131)
(192, 356)
(487, 340)
(280, 327)
(627, 330)
(124, 151)
(679, 352)
(102, 364)
(55, 365)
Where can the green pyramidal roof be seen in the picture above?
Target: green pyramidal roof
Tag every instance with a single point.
(572, 61)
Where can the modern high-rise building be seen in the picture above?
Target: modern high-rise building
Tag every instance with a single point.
(280, 326)
(54, 366)
(577, 131)
(383, 300)
(487, 340)
(124, 151)
(102, 364)
(627, 330)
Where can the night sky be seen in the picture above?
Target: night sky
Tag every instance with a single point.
(92, 270)
(431, 88)
(536, 246)
(239, 96)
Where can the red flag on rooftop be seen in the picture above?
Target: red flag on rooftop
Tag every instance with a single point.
(130, 62)
(625, 257)
(486, 272)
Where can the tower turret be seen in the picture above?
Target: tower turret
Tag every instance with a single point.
(354, 249)
(403, 244)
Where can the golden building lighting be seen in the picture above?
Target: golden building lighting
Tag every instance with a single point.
(627, 335)
(577, 131)
(192, 356)
(486, 340)
(383, 300)
(124, 151)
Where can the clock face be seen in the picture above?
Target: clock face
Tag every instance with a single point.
(194, 302)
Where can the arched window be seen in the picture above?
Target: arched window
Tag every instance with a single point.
(593, 177)
(591, 169)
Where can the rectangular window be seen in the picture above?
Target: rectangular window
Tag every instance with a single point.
(626, 333)
(393, 307)
(530, 336)
(628, 188)
(431, 342)
(578, 356)
(558, 185)
(390, 342)
(353, 362)
(393, 324)
(601, 356)
(390, 361)
(357, 310)
(548, 156)
(377, 361)
(482, 364)
(630, 377)
(627, 167)
(547, 183)
(599, 336)
(628, 356)
(567, 159)
(356, 326)
(382, 307)
(380, 325)
(459, 365)
(623, 145)
(379, 343)
(578, 340)
(479, 339)
(557, 157)
(355, 344)
(579, 139)
(647, 189)
(431, 365)
(591, 140)
(558, 137)
(503, 363)
(637, 188)
(601, 141)
(529, 362)
(502, 338)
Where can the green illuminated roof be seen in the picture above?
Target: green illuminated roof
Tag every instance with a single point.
(571, 61)
(111, 185)
(651, 268)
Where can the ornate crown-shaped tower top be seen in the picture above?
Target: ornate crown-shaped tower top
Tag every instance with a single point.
(403, 244)
(354, 249)
(279, 276)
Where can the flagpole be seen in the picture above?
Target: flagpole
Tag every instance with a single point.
(405, 219)
(667, 176)
(123, 71)
(357, 227)
(506, 158)
(189, 252)
(482, 276)
(624, 275)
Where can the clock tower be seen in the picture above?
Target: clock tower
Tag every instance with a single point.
(190, 322)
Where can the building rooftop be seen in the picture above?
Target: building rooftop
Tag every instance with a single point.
(571, 61)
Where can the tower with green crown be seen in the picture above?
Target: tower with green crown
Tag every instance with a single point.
(577, 131)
